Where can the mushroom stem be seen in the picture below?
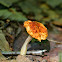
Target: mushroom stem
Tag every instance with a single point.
(24, 47)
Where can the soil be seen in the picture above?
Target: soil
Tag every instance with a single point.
(29, 58)
(51, 56)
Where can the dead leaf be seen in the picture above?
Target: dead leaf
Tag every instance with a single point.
(58, 22)
(2, 57)
(4, 46)
(23, 59)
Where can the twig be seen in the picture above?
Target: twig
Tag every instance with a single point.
(54, 41)
(38, 52)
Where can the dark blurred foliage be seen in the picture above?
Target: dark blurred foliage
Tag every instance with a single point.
(40, 10)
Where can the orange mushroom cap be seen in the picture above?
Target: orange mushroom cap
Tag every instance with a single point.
(36, 29)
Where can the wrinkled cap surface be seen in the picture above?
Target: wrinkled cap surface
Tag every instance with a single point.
(36, 29)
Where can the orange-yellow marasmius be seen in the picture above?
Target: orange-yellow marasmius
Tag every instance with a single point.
(35, 30)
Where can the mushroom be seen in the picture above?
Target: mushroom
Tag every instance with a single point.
(35, 30)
